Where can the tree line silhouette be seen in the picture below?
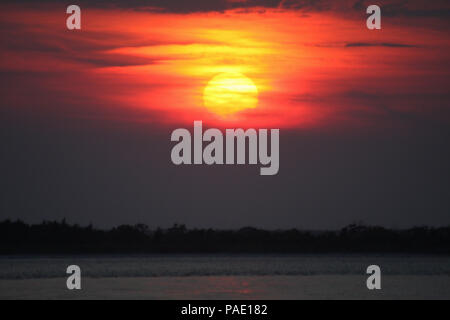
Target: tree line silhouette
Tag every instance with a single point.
(17, 237)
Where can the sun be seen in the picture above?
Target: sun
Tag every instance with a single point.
(228, 93)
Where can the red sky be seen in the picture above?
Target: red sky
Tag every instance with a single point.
(312, 68)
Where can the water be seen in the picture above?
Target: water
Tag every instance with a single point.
(136, 266)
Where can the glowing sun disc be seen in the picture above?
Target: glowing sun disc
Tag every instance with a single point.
(228, 93)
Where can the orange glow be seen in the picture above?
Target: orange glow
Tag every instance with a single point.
(308, 70)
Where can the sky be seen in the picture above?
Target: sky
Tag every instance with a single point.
(364, 115)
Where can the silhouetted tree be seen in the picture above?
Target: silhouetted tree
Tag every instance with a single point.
(17, 237)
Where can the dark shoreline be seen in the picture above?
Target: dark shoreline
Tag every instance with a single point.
(59, 238)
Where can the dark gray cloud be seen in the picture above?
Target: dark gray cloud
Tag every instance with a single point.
(409, 8)
(390, 8)
(91, 47)
(365, 44)
(175, 6)
(379, 44)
